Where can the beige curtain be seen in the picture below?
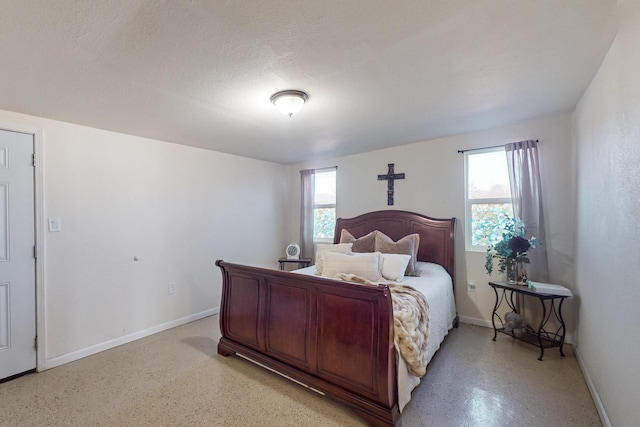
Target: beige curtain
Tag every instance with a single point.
(307, 181)
(526, 193)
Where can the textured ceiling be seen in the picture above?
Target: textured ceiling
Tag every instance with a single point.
(378, 73)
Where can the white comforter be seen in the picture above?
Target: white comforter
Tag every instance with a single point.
(435, 284)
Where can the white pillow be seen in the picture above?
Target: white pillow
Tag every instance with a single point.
(367, 265)
(394, 266)
(343, 248)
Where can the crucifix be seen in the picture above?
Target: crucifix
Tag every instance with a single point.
(390, 177)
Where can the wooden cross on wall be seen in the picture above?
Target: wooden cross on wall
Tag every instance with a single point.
(390, 177)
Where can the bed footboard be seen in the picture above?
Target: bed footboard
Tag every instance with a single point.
(334, 337)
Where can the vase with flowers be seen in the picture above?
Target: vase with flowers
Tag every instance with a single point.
(511, 252)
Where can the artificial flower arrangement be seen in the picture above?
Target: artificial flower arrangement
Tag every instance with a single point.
(512, 249)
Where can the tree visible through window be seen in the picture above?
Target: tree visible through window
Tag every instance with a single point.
(324, 205)
(488, 196)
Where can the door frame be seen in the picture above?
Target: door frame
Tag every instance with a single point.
(38, 182)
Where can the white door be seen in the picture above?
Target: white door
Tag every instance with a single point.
(17, 258)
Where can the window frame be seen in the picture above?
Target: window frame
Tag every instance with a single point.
(469, 247)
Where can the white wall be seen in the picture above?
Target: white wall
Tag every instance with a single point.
(607, 140)
(434, 186)
(176, 208)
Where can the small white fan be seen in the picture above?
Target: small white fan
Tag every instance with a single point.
(293, 251)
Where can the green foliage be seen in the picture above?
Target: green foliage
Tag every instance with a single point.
(488, 221)
(324, 223)
(512, 247)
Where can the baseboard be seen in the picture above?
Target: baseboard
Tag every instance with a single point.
(604, 418)
(476, 321)
(88, 351)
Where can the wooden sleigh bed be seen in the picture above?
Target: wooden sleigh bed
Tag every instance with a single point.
(334, 337)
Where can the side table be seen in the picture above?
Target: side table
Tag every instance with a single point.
(302, 262)
(540, 337)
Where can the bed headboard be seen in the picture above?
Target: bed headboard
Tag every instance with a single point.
(436, 235)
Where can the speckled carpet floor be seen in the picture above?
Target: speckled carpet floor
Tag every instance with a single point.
(176, 378)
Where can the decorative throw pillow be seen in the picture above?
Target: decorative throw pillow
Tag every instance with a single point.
(394, 266)
(343, 248)
(365, 265)
(362, 244)
(408, 245)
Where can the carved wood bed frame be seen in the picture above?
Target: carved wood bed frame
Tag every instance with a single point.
(334, 337)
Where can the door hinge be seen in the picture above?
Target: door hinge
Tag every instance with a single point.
(35, 251)
(35, 342)
(34, 159)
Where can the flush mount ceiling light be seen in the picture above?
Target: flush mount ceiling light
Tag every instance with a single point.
(289, 102)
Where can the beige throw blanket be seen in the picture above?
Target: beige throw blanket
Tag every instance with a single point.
(410, 322)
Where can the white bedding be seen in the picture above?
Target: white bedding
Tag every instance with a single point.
(435, 284)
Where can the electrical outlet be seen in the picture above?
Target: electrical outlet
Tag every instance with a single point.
(172, 288)
(471, 286)
(54, 224)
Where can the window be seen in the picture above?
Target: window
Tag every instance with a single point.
(324, 205)
(488, 197)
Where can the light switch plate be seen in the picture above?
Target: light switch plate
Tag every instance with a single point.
(54, 224)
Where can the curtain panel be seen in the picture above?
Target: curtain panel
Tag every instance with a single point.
(307, 181)
(526, 192)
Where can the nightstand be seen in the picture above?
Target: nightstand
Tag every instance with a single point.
(301, 262)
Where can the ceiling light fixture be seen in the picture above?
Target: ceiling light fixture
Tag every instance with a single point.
(289, 102)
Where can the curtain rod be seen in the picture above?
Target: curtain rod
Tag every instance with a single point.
(484, 148)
